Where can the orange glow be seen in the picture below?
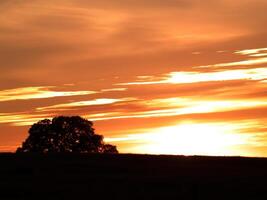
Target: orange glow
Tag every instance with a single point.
(189, 139)
(172, 71)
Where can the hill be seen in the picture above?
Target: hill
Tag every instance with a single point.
(81, 176)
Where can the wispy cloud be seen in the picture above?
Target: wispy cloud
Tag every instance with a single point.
(156, 108)
(114, 90)
(251, 52)
(249, 62)
(198, 76)
(94, 102)
(180, 106)
(27, 93)
(259, 56)
(21, 119)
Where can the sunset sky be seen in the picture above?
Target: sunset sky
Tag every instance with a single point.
(162, 77)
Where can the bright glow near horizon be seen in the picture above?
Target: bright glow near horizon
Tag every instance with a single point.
(190, 139)
(139, 78)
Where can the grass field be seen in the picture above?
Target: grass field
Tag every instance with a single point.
(75, 176)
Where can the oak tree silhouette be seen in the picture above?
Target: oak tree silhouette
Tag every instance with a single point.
(65, 134)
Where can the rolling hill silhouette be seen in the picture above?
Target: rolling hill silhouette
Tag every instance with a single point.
(122, 176)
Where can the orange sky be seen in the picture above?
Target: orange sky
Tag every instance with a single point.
(163, 77)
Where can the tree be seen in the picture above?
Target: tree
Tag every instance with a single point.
(108, 148)
(65, 134)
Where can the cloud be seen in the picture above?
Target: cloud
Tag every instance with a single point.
(168, 107)
(195, 77)
(41, 92)
(180, 106)
(21, 119)
(114, 89)
(255, 61)
(89, 36)
(251, 52)
(74, 105)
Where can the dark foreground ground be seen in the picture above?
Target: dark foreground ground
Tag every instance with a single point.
(131, 177)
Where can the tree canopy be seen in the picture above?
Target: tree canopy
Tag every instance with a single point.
(65, 134)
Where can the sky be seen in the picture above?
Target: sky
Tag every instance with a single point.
(156, 77)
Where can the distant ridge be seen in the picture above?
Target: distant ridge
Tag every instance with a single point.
(131, 176)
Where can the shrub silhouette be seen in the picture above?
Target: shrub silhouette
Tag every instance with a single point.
(65, 134)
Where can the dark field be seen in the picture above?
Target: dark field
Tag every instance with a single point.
(62, 176)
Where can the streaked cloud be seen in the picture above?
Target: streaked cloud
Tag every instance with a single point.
(27, 93)
(195, 77)
(84, 103)
(157, 108)
(251, 52)
(256, 61)
(259, 55)
(114, 90)
(21, 119)
(180, 106)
